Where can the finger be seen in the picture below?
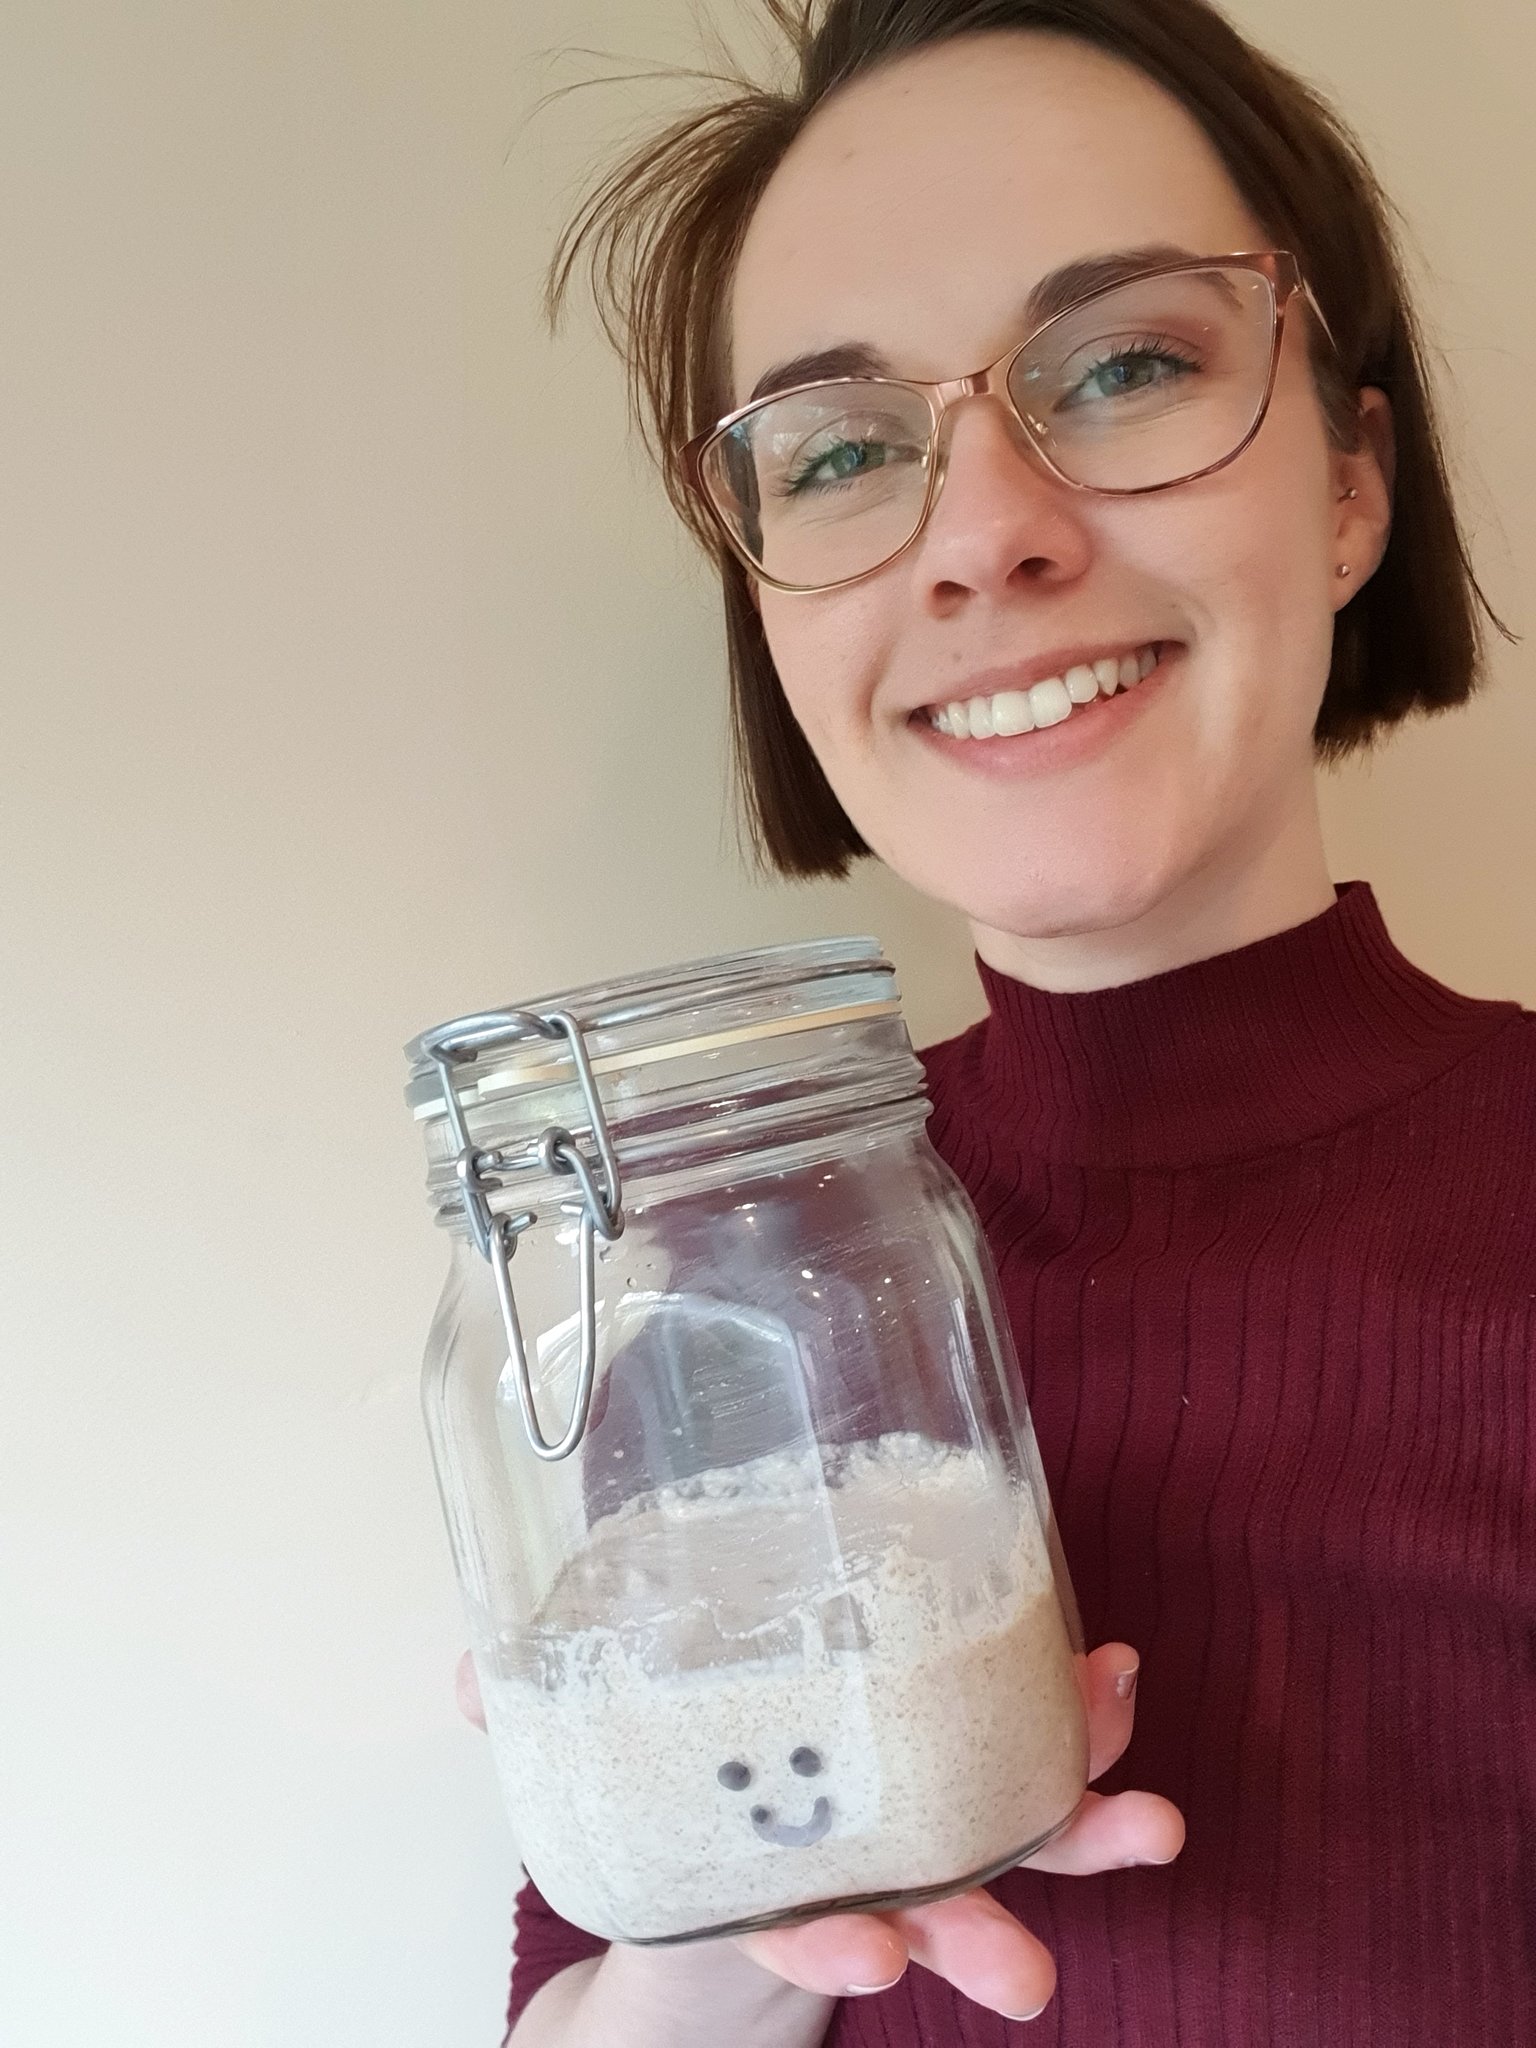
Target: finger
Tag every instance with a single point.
(1112, 1834)
(832, 1955)
(983, 1951)
(467, 1690)
(1111, 1713)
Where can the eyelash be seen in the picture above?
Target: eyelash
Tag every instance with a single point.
(1162, 346)
(801, 479)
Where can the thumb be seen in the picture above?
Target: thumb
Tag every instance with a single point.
(467, 1690)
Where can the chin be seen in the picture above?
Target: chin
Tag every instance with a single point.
(1041, 899)
(1060, 914)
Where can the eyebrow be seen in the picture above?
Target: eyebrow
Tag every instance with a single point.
(1057, 290)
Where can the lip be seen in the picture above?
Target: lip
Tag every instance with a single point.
(1019, 675)
(1048, 749)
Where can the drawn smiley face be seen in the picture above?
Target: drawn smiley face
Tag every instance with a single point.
(805, 1763)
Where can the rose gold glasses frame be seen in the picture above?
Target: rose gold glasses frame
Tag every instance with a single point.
(1278, 266)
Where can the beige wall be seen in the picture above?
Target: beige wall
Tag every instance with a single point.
(1443, 820)
(354, 677)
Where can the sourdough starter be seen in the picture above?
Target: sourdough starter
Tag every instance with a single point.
(811, 1694)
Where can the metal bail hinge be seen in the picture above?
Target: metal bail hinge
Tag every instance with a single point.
(602, 1216)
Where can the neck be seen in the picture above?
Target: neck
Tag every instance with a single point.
(1228, 903)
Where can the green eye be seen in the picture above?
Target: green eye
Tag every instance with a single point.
(1129, 372)
(839, 463)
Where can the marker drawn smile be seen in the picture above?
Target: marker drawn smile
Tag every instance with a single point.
(783, 1836)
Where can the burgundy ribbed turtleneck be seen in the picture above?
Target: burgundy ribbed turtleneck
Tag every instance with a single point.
(1266, 1232)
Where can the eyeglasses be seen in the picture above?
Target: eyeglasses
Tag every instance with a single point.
(1152, 381)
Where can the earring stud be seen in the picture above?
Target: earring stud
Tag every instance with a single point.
(1343, 569)
(1351, 493)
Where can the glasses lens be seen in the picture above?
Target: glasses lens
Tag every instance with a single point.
(1152, 382)
(824, 484)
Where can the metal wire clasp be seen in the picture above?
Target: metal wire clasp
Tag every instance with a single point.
(460, 1044)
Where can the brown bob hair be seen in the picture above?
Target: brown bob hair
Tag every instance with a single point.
(662, 230)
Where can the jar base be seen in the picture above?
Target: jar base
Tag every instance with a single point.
(859, 1902)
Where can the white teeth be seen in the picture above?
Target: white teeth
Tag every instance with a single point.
(1011, 712)
(1049, 701)
(1045, 703)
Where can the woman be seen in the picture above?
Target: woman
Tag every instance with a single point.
(1063, 647)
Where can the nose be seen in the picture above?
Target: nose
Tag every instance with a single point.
(1000, 521)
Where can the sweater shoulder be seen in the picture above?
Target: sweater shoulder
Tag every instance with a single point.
(1488, 1086)
(1503, 1047)
(951, 1062)
(1492, 1089)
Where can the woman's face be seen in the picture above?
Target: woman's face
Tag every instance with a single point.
(914, 214)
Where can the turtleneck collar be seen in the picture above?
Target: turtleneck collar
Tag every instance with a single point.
(1227, 1058)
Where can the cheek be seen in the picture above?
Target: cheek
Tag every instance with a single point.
(1282, 537)
(1246, 557)
(829, 650)
(1278, 615)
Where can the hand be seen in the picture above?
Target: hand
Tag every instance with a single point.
(972, 1940)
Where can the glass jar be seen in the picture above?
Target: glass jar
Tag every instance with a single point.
(764, 1593)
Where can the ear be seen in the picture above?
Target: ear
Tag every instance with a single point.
(1377, 427)
(1363, 481)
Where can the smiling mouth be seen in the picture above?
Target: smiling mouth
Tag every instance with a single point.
(783, 1836)
(1047, 703)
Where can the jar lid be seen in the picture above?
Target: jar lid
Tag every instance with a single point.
(696, 1006)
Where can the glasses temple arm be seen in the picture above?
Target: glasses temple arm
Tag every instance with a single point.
(1318, 315)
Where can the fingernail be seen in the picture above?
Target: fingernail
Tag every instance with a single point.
(1026, 2015)
(1125, 1682)
(864, 1990)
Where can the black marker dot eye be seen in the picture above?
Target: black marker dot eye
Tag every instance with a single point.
(760, 1814)
(805, 1763)
(734, 1777)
